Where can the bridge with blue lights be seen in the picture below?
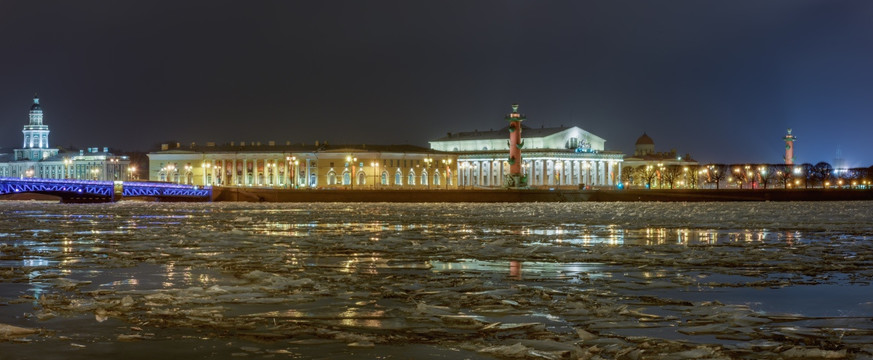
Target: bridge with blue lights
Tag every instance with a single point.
(104, 191)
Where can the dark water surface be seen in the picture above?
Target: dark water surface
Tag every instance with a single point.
(437, 281)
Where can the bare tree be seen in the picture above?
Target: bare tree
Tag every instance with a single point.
(670, 174)
(823, 173)
(628, 175)
(740, 175)
(784, 175)
(807, 172)
(648, 173)
(766, 174)
(715, 173)
(691, 173)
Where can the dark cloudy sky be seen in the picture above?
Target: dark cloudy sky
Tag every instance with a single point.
(721, 80)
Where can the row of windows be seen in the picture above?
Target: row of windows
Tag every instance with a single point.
(398, 178)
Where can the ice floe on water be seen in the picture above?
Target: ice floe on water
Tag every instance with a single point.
(537, 281)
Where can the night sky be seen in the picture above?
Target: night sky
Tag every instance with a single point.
(721, 80)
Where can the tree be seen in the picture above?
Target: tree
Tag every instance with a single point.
(670, 174)
(715, 173)
(766, 174)
(784, 175)
(740, 175)
(823, 173)
(627, 175)
(806, 172)
(691, 173)
(648, 173)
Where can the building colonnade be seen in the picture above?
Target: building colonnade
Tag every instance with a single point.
(349, 169)
(542, 172)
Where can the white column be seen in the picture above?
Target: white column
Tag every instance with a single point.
(245, 172)
(595, 175)
(618, 165)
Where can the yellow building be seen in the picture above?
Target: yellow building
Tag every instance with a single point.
(648, 168)
(301, 166)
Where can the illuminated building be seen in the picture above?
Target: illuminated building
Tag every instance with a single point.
(647, 161)
(35, 159)
(299, 166)
(556, 156)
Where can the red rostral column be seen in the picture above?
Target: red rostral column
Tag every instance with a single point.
(516, 176)
(789, 148)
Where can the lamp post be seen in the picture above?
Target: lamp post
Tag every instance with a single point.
(351, 160)
(67, 163)
(207, 167)
(558, 167)
(187, 171)
(131, 172)
(94, 172)
(375, 166)
(296, 171)
(427, 162)
(448, 164)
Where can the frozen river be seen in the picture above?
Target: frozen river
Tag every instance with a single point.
(436, 281)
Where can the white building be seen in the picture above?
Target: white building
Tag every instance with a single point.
(35, 159)
(557, 156)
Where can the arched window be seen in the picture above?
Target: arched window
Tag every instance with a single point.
(398, 178)
(423, 177)
(362, 179)
(331, 178)
(410, 180)
(384, 178)
(347, 178)
(436, 178)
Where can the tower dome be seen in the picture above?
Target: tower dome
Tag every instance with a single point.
(35, 106)
(644, 146)
(645, 140)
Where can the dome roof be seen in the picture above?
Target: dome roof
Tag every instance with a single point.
(35, 105)
(645, 140)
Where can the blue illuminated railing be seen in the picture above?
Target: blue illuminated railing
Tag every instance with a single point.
(106, 189)
(165, 190)
(60, 187)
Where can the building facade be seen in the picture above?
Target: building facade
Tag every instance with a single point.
(305, 167)
(648, 168)
(551, 157)
(36, 159)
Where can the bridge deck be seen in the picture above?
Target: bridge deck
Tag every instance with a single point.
(93, 190)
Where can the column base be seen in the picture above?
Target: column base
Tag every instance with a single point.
(515, 181)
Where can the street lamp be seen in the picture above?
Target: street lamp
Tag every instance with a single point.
(352, 161)
(448, 165)
(131, 170)
(427, 162)
(95, 171)
(294, 162)
(375, 166)
(207, 167)
(67, 163)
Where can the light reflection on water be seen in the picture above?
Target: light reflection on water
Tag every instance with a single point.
(143, 247)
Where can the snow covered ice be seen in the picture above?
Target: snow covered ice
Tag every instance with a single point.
(537, 281)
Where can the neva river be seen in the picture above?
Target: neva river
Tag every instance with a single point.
(139, 280)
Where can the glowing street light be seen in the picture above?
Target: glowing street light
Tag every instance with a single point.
(427, 162)
(447, 163)
(352, 161)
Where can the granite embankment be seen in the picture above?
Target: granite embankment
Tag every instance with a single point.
(534, 195)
